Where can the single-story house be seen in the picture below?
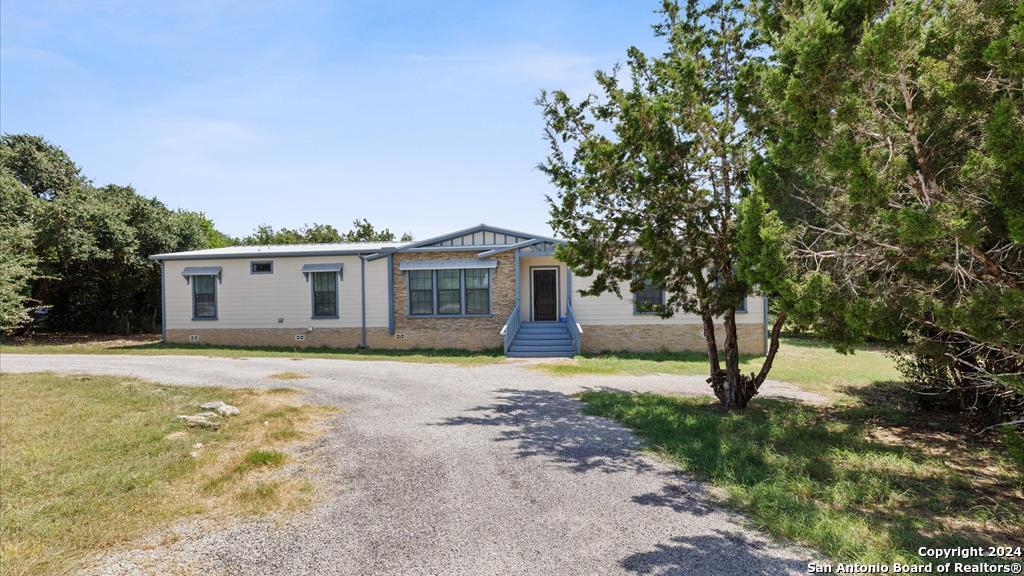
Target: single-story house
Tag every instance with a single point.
(478, 288)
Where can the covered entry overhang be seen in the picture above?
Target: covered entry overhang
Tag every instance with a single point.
(542, 323)
(543, 283)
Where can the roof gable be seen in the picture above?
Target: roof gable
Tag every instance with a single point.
(482, 236)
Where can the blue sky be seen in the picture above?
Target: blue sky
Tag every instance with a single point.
(419, 116)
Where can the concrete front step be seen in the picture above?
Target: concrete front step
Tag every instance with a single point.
(560, 346)
(542, 340)
(531, 340)
(543, 336)
(525, 346)
(512, 354)
(542, 324)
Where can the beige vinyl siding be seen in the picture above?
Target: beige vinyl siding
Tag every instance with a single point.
(609, 309)
(247, 300)
(376, 293)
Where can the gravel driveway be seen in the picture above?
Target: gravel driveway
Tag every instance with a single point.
(452, 470)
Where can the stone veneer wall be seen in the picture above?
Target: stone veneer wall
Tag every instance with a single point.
(282, 337)
(470, 333)
(666, 338)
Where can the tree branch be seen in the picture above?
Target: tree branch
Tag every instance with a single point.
(773, 348)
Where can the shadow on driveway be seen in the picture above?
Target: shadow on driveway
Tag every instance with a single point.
(551, 425)
(713, 554)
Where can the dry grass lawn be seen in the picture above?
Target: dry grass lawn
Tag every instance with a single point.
(92, 463)
(286, 376)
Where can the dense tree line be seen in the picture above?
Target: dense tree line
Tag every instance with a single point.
(891, 179)
(79, 248)
(861, 162)
(81, 251)
(362, 231)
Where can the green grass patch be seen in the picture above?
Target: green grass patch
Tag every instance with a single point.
(262, 458)
(811, 365)
(445, 356)
(845, 480)
(91, 463)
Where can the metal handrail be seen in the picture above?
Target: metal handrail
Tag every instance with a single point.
(575, 330)
(511, 327)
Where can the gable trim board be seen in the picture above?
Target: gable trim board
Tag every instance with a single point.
(274, 310)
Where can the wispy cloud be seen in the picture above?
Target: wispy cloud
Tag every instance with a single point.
(520, 64)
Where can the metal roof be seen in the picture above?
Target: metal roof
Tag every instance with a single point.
(280, 250)
(374, 249)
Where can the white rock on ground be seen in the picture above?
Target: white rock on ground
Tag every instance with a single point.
(221, 408)
(200, 420)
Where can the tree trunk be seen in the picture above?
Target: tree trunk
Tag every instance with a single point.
(729, 385)
(716, 377)
(709, 340)
(734, 389)
(737, 394)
